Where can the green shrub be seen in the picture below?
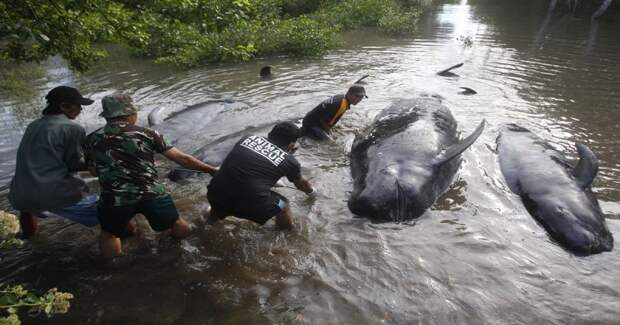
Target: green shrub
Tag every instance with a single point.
(188, 32)
(299, 36)
(389, 15)
(299, 7)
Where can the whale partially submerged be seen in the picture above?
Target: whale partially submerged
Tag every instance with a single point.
(406, 159)
(554, 192)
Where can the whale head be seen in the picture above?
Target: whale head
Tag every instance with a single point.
(391, 195)
(575, 220)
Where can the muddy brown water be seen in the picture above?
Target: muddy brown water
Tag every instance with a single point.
(477, 257)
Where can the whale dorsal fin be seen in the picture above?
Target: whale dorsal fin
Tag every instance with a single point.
(587, 167)
(447, 71)
(457, 148)
(154, 117)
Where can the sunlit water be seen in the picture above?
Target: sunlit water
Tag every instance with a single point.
(477, 257)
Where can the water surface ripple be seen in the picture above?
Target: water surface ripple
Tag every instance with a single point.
(477, 257)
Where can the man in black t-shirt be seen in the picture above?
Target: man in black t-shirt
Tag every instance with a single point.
(242, 186)
(319, 121)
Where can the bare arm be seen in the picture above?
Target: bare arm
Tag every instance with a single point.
(303, 185)
(188, 161)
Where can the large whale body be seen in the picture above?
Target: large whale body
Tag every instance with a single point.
(554, 192)
(405, 159)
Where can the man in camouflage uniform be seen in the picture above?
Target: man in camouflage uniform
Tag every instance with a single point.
(122, 156)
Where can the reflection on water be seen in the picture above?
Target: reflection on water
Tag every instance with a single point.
(476, 257)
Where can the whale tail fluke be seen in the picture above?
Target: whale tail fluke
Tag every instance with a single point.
(458, 148)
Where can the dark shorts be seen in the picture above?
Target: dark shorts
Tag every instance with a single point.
(259, 212)
(161, 214)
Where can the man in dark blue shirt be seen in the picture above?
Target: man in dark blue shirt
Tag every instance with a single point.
(319, 121)
(242, 186)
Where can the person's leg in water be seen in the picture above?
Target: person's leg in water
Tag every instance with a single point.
(321, 134)
(212, 217)
(115, 224)
(162, 214)
(316, 133)
(109, 245)
(29, 223)
(284, 219)
(180, 228)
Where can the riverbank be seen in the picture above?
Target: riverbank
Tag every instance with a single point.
(192, 33)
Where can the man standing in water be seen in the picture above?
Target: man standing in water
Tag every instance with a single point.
(242, 187)
(48, 156)
(122, 155)
(319, 121)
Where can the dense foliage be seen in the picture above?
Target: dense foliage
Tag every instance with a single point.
(188, 32)
(14, 298)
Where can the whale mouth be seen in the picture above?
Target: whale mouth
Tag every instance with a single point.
(399, 207)
(399, 211)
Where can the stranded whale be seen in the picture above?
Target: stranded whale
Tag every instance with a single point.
(406, 159)
(554, 192)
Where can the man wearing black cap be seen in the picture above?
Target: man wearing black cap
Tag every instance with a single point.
(242, 187)
(319, 121)
(48, 155)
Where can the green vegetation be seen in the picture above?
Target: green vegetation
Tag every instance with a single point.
(188, 32)
(13, 298)
(16, 79)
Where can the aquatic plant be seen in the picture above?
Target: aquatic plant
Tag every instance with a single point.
(15, 297)
(9, 226)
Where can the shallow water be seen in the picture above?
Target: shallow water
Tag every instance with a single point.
(477, 257)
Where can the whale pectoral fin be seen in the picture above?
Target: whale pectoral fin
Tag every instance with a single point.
(456, 149)
(587, 167)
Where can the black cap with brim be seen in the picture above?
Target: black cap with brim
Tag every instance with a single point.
(65, 94)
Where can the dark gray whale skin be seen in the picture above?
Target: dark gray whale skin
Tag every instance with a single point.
(405, 160)
(554, 192)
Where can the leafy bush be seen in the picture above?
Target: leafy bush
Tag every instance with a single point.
(389, 15)
(300, 36)
(299, 7)
(188, 32)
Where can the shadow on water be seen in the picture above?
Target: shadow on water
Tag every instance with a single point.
(475, 257)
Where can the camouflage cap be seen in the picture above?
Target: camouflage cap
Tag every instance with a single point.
(117, 105)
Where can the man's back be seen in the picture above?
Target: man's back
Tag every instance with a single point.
(48, 153)
(327, 113)
(252, 167)
(123, 155)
